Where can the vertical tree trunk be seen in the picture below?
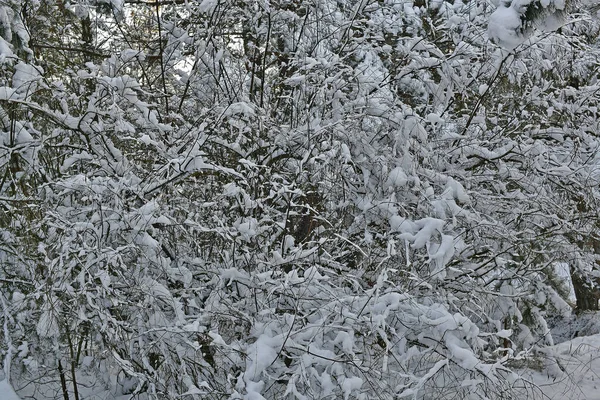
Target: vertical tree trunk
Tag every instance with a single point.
(63, 381)
(585, 293)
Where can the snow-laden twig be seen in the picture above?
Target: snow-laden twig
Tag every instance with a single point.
(7, 339)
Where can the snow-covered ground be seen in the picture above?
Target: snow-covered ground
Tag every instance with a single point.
(7, 392)
(571, 370)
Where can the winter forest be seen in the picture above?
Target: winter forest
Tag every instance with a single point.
(299, 199)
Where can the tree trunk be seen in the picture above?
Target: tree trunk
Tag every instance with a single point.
(585, 293)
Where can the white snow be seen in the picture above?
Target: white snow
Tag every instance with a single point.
(427, 227)
(573, 373)
(240, 108)
(397, 177)
(247, 228)
(350, 384)
(503, 27)
(47, 325)
(7, 392)
(5, 50)
(25, 78)
(207, 5)
(6, 93)
(261, 355)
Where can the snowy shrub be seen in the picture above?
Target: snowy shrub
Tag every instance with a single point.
(242, 200)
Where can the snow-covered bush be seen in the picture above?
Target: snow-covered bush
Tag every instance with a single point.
(289, 200)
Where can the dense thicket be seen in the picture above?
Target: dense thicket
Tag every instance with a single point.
(290, 199)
